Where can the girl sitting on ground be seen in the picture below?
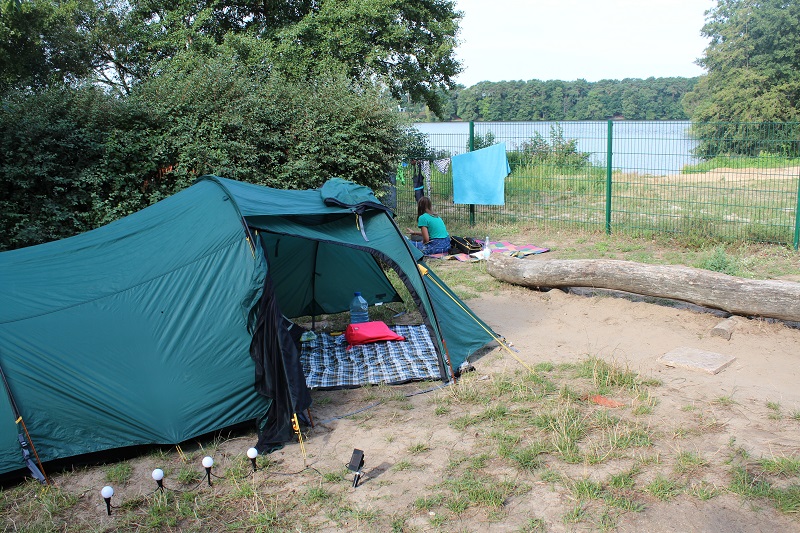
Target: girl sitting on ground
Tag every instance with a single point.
(435, 239)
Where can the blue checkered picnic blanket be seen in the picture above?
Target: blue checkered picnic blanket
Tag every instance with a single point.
(329, 364)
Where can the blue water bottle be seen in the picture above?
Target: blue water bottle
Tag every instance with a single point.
(358, 309)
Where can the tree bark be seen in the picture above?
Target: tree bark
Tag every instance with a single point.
(766, 298)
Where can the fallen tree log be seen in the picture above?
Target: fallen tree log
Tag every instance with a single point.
(765, 298)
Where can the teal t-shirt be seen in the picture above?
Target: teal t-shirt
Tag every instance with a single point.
(435, 225)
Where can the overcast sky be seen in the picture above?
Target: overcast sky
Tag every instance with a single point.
(572, 39)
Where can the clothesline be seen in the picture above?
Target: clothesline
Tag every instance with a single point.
(478, 176)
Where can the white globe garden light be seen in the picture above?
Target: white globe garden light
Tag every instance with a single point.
(208, 462)
(158, 475)
(107, 492)
(252, 453)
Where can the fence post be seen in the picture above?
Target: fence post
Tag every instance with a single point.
(797, 217)
(609, 151)
(471, 148)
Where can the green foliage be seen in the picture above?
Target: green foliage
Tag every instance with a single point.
(763, 160)
(73, 159)
(217, 117)
(720, 261)
(406, 45)
(482, 141)
(745, 144)
(53, 149)
(558, 151)
(203, 88)
(555, 100)
(42, 43)
(753, 62)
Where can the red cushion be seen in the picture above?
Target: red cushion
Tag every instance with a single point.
(366, 332)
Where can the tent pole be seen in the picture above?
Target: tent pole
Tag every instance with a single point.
(37, 473)
(447, 354)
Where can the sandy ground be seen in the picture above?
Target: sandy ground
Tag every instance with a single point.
(557, 326)
(560, 327)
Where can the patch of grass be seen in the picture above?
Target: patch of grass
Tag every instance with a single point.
(426, 503)
(662, 488)
(568, 394)
(188, 475)
(682, 433)
(719, 261)
(605, 376)
(335, 477)
(725, 401)
(587, 489)
(608, 521)
(533, 525)
(623, 502)
(645, 402)
(494, 413)
(544, 366)
(775, 409)
(526, 458)
(703, 491)
(575, 514)
(551, 476)
(604, 419)
(787, 500)
(119, 473)
(783, 466)
(47, 503)
(399, 525)
(352, 516)
(474, 489)
(400, 466)
(567, 426)
(316, 495)
(623, 480)
(439, 521)
(630, 438)
(688, 462)
(419, 447)
(747, 485)
(479, 462)
(441, 410)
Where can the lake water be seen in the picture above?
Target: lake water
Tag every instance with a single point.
(647, 147)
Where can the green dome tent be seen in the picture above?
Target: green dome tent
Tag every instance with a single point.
(171, 322)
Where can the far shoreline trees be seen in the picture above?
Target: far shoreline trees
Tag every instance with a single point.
(556, 100)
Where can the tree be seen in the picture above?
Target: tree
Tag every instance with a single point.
(52, 144)
(406, 45)
(42, 42)
(753, 64)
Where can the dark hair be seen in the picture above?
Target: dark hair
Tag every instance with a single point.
(424, 206)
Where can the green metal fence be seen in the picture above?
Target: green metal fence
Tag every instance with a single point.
(715, 181)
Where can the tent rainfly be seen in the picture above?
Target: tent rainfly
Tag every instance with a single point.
(172, 322)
